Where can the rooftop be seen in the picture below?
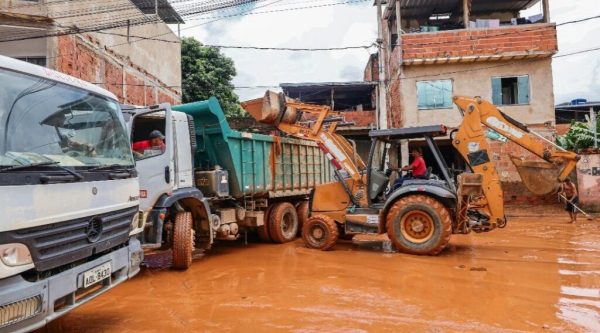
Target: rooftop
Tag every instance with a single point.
(342, 95)
(422, 8)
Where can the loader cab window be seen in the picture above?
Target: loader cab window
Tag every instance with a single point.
(378, 177)
(146, 135)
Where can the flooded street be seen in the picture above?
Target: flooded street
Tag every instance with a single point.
(539, 274)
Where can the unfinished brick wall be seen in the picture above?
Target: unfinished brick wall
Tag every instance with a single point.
(394, 104)
(480, 42)
(372, 69)
(360, 118)
(83, 57)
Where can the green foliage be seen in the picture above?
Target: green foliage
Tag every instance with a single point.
(579, 136)
(206, 72)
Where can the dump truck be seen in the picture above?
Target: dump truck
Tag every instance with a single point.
(210, 183)
(420, 216)
(68, 195)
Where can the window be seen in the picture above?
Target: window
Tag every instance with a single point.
(510, 90)
(144, 143)
(434, 94)
(40, 61)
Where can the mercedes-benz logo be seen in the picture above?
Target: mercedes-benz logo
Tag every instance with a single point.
(94, 230)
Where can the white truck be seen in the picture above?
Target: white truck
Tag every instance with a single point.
(207, 182)
(69, 195)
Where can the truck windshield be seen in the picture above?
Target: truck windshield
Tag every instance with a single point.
(44, 122)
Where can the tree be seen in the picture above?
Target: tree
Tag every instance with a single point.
(206, 72)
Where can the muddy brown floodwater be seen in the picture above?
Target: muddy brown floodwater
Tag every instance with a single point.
(537, 275)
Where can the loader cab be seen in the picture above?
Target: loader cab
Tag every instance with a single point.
(385, 159)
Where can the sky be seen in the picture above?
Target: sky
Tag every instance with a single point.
(355, 24)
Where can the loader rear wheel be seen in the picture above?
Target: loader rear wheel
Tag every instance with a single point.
(320, 232)
(283, 223)
(302, 210)
(418, 224)
(263, 230)
(183, 240)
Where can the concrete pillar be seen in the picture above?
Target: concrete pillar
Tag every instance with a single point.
(466, 13)
(399, 27)
(381, 91)
(546, 5)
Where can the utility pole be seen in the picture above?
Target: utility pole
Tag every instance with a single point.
(594, 125)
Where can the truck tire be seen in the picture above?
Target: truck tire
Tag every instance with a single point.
(183, 240)
(320, 232)
(302, 211)
(419, 224)
(263, 230)
(283, 222)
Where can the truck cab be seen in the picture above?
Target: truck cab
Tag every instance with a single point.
(68, 195)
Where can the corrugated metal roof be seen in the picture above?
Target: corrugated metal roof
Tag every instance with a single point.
(165, 11)
(424, 8)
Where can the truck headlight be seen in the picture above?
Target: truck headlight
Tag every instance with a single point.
(15, 254)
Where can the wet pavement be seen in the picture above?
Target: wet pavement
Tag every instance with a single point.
(539, 274)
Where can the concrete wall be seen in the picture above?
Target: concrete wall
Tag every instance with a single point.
(588, 182)
(138, 72)
(475, 79)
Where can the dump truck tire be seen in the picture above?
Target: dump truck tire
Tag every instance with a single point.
(263, 230)
(283, 222)
(302, 210)
(320, 232)
(183, 240)
(418, 224)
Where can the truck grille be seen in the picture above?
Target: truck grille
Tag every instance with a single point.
(62, 243)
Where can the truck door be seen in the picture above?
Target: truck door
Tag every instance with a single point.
(154, 160)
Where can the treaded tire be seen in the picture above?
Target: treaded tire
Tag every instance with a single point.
(431, 230)
(302, 210)
(320, 232)
(183, 240)
(283, 222)
(263, 230)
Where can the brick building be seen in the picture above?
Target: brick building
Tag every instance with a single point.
(357, 101)
(123, 46)
(433, 49)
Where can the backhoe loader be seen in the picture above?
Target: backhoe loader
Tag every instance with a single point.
(420, 216)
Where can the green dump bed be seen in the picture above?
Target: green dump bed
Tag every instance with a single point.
(258, 164)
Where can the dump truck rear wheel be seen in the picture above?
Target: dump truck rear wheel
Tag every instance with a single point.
(418, 224)
(320, 232)
(283, 222)
(183, 240)
(302, 210)
(263, 230)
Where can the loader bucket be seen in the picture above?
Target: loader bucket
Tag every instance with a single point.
(268, 109)
(539, 178)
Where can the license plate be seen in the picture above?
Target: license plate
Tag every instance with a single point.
(96, 274)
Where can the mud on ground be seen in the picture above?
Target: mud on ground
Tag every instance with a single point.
(540, 274)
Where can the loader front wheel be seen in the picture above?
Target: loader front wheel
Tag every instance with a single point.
(302, 210)
(320, 232)
(283, 222)
(418, 224)
(183, 240)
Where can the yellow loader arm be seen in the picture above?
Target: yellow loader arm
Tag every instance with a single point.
(470, 141)
(276, 109)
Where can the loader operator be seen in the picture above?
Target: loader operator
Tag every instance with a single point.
(417, 169)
